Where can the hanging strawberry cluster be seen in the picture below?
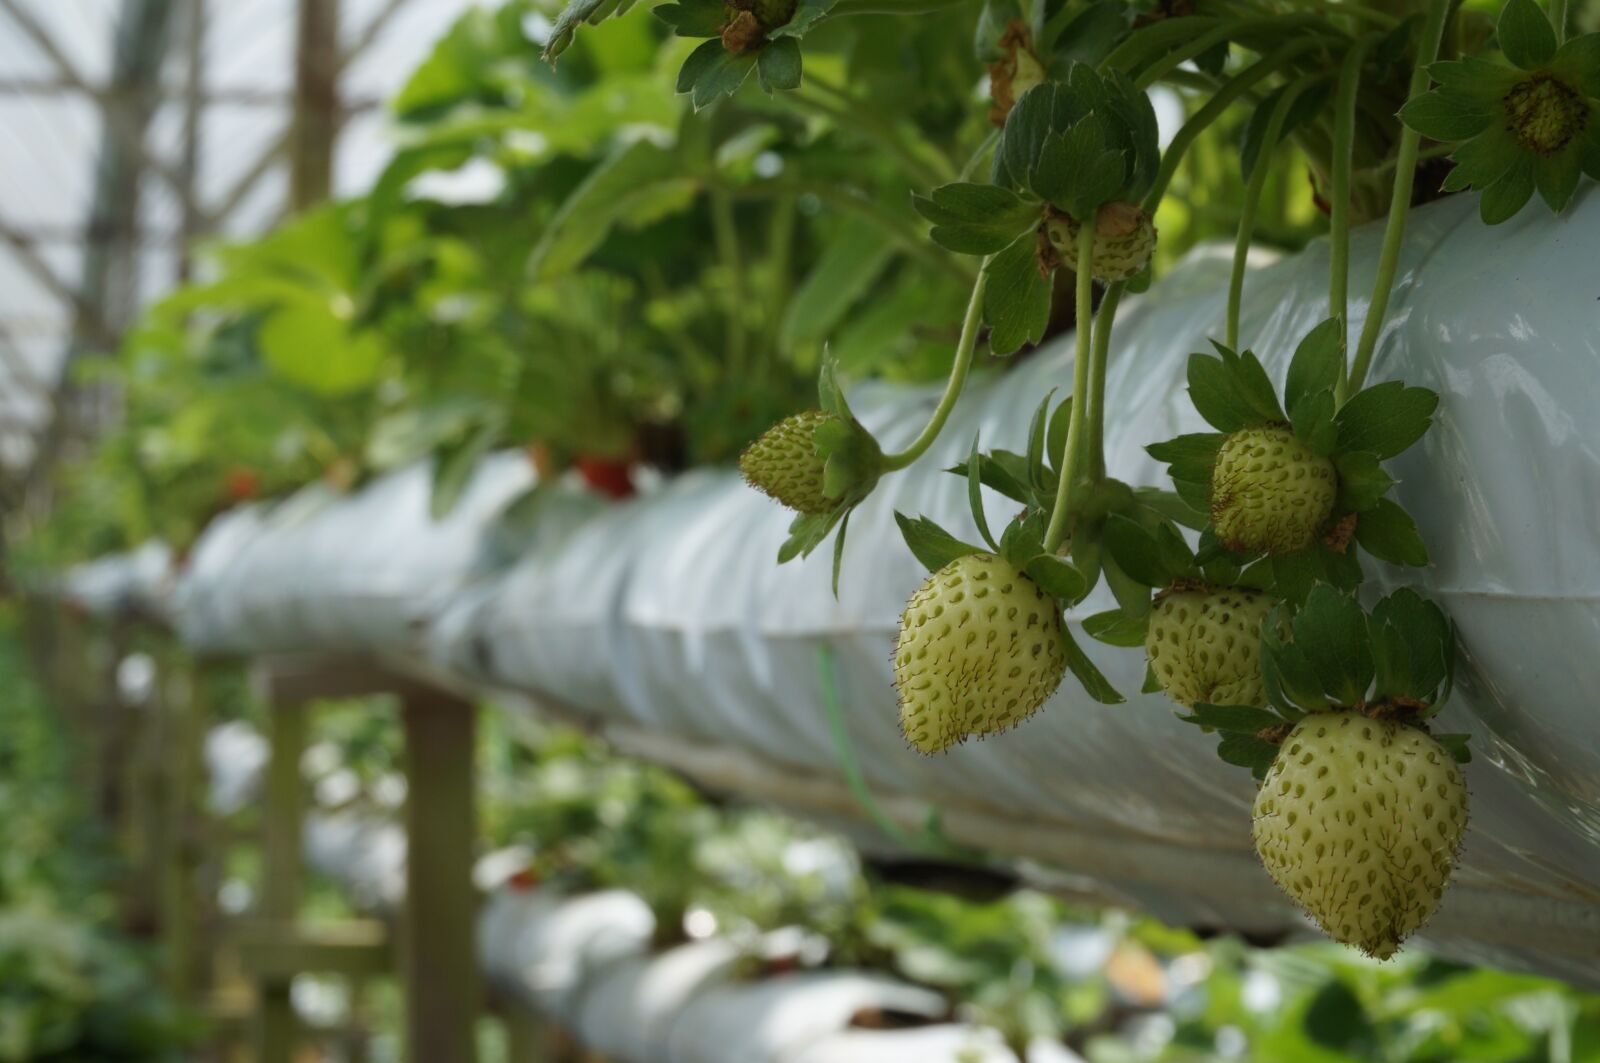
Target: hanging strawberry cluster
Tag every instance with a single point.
(1241, 584)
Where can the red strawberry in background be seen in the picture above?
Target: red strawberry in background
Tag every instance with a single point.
(610, 476)
(241, 483)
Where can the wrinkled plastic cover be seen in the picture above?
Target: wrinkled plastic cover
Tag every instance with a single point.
(669, 613)
(139, 581)
(342, 574)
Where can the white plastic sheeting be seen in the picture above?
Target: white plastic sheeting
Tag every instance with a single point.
(139, 581)
(342, 574)
(666, 615)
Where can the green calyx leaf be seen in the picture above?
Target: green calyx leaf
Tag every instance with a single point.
(1016, 299)
(1525, 34)
(1080, 143)
(974, 219)
(1232, 391)
(1385, 419)
(931, 544)
(1154, 557)
(1115, 627)
(1333, 655)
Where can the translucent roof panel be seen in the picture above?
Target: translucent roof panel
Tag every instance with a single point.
(57, 61)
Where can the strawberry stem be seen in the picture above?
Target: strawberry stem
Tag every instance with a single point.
(1072, 450)
(1405, 175)
(1252, 202)
(1104, 320)
(952, 388)
(1344, 134)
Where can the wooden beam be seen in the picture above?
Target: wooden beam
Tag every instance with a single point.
(283, 817)
(276, 950)
(438, 931)
(316, 105)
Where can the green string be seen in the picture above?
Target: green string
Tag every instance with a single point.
(932, 840)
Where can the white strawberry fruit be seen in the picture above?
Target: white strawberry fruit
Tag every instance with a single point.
(1204, 645)
(1270, 492)
(1359, 821)
(1124, 240)
(981, 648)
(784, 462)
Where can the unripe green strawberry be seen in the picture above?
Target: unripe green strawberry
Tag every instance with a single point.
(785, 464)
(1359, 820)
(1270, 492)
(980, 650)
(1124, 240)
(1205, 645)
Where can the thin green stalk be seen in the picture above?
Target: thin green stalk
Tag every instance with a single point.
(1400, 203)
(1072, 451)
(727, 238)
(1230, 91)
(844, 197)
(1227, 31)
(1355, 11)
(978, 156)
(1344, 134)
(780, 256)
(952, 389)
(1558, 19)
(1105, 320)
(1252, 202)
(848, 111)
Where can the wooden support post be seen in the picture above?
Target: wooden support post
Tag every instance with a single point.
(525, 1036)
(280, 889)
(180, 918)
(438, 932)
(316, 107)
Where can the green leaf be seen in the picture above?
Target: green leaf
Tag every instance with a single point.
(1317, 364)
(807, 532)
(1239, 719)
(1293, 575)
(975, 495)
(1456, 746)
(1362, 481)
(1424, 634)
(850, 264)
(838, 553)
(575, 14)
(1131, 595)
(694, 18)
(1094, 682)
(1305, 107)
(1481, 82)
(1038, 428)
(308, 344)
(1312, 419)
(778, 65)
(1388, 533)
(974, 219)
(454, 464)
(931, 544)
(1510, 193)
(1151, 684)
(1055, 442)
(1058, 578)
(1138, 552)
(1385, 419)
(1331, 631)
(1215, 397)
(1252, 385)
(1115, 627)
(1016, 300)
(806, 14)
(1446, 116)
(641, 174)
(997, 471)
(1247, 751)
(1525, 34)
(1556, 177)
(1169, 505)
(711, 72)
(1579, 61)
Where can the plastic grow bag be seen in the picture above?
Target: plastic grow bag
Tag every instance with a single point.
(344, 573)
(669, 614)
